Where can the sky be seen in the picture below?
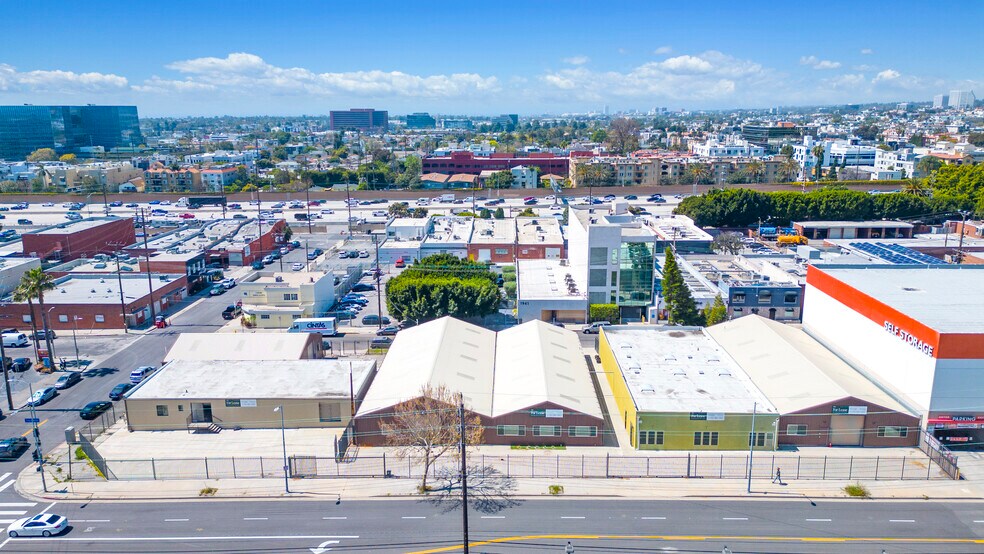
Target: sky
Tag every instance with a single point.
(251, 57)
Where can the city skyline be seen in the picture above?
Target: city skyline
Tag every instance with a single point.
(543, 58)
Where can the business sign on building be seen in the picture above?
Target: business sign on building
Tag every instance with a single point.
(706, 416)
(240, 403)
(849, 410)
(547, 413)
(909, 338)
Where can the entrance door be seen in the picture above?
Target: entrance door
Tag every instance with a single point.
(846, 430)
(201, 412)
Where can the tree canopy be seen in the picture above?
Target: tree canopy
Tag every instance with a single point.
(676, 295)
(443, 285)
(42, 155)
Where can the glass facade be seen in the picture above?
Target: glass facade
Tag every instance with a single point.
(635, 276)
(24, 129)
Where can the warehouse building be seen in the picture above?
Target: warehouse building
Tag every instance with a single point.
(677, 389)
(917, 331)
(214, 395)
(246, 346)
(528, 385)
(822, 401)
(78, 239)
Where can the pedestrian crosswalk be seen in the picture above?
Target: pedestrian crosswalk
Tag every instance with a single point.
(12, 511)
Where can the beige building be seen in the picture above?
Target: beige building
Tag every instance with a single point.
(655, 171)
(214, 395)
(246, 346)
(105, 174)
(273, 300)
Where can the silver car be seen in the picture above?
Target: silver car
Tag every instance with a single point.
(41, 525)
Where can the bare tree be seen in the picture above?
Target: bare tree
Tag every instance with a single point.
(623, 135)
(428, 426)
(728, 243)
(489, 490)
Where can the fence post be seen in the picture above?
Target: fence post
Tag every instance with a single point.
(721, 469)
(850, 468)
(799, 459)
(607, 459)
(929, 466)
(507, 465)
(647, 466)
(582, 466)
(153, 468)
(234, 476)
(688, 465)
(824, 476)
(877, 459)
(902, 477)
(261, 468)
(409, 468)
(772, 470)
(384, 464)
(558, 468)
(206, 467)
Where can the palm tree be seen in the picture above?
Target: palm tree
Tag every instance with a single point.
(20, 295)
(818, 154)
(699, 172)
(35, 283)
(789, 169)
(916, 187)
(755, 169)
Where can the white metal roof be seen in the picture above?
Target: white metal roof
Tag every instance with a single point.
(240, 346)
(234, 379)
(538, 362)
(680, 369)
(793, 370)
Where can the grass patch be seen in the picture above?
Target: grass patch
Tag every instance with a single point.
(208, 491)
(538, 447)
(555, 490)
(857, 490)
(80, 454)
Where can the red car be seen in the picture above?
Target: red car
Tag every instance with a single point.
(187, 215)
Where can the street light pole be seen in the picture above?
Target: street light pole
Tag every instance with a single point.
(37, 440)
(464, 473)
(75, 339)
(6, 375)
(751, 447)
(379, 301)
(283, 439)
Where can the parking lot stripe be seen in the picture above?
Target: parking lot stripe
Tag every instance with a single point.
(17, 504)
(6, 485)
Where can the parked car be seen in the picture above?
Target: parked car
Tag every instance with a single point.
(256, 265)
(41, 525)
(362, 287)
(284, 251)
(13, 447)
(373, 319)
(228, 283)
(231, 312)
(42, 396)
(362, 254)
(120, 390)
(380, 342)
(268, 259)
(400, 263)
(21, 364)
(23, 221)
(595, 327)
(312, 256)
(92, 410)
(342, 255)
(67, 380)
(141, 373)
(217, 290)
(297, 266)
(389, 330)
(39, 334)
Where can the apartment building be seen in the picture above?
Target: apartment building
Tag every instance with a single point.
(158, 178)
(81, 179)
(273, 300)
(215, 179)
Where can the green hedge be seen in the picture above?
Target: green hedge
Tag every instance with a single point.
(603, 312)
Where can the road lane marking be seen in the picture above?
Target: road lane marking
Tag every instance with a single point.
(414, 517)
(335, 517)
(6, 485)
(493, 517)
(14, 513)
(653, 517)
(5, 521)
(17, 504)
(176, 519)
(4, 476)
(29, 431)
(571, 517)
(735, 518)
(817, 519)
(255, 518)
(157, 539)
(89, 521)
(901, 521)
(979, 521)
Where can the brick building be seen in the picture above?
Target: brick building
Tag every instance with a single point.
(466, 162)
(84, 238)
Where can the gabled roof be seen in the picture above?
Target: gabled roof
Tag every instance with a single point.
(791, 368)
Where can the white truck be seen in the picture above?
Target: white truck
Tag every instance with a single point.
(324, 325)
(445, 198)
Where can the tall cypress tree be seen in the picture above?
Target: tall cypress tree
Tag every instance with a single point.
(679, 302)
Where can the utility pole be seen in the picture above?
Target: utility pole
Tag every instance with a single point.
(464, 472)
(119, 280)
(963, 226)
(379, 301)
(37, 440)
(751, 447)
(348, 204)
(307, 205)
(6, 376)
(259, 223)
(150, 281)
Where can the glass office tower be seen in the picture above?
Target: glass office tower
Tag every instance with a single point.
(24, 129)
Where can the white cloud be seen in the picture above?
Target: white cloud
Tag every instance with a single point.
(662, 50)
(58, 81)
(686, 64)
(244, 71)
(577, 60)
(863, 67)
(817, 63)
(867, 51)
(887, 75)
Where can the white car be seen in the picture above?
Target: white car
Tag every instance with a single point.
(297, 266)
(48, 204)
(327, 212)
(41, 525)
(550, 197)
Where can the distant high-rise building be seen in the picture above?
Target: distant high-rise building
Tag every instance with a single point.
(66, 129)
(457, 123)
(940, 101)
(772, 137)
(507, 119)
(421, 120)
(962, 99)
(359, 119)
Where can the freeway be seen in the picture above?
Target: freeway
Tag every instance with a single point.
(795, 526)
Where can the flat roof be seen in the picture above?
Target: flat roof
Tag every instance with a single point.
(11, 262)
(286, 278)
(450, 229)
(240, 346)
(100, 289)
(494, 231)
(880, 224)
(241, 379)
(80, 225)
(794, 370)
(681, 369)
(946, 298)
(173, 257)
(676, 227)
(539, 230)
(548, 279)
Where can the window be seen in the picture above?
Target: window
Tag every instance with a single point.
(181, 407)
(650, 437)
(738, 297)
(511, 430)
(597, 297)
(501, 251)
(582, 431)
(765, 297)
(705, 438)
(546, 430)
(264, 316)
(63, 318)
(759, 439)
(596, 278)
(26, 318)
(100, 318)
(598, 255)
(329, 412)
(796, 429)
(162, 410)
(893, 431)
(290, 296)
(791, 298)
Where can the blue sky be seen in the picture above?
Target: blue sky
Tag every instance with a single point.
(306, 57)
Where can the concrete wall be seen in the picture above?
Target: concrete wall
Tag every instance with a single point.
(298, 413)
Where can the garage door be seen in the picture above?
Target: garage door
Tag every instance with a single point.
(484, 255)
(846, 430)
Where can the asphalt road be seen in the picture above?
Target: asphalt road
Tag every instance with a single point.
(529, 526)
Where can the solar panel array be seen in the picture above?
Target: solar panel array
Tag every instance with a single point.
(896, 254)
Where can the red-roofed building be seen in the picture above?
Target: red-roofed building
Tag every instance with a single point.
(466, 162)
